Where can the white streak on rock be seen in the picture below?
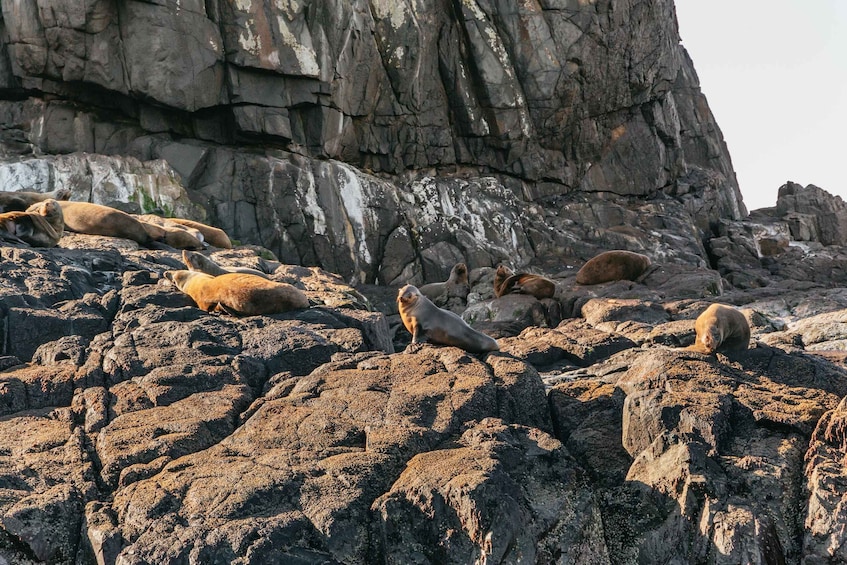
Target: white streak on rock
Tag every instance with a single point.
(352, 198)
(313, 208)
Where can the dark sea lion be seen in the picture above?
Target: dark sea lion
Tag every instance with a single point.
(41, 225)
(427, 322)
(212, 235)
(21, 200)
(95, 219)
(508, 282)
(455, 285)
(199, 262)
(238, 293)
(721, 328)
(614, 265)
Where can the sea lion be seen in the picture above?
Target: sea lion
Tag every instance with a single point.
(199, 262)
(169, 224)
(508, 282)
(426, 321)
(721, 328)
(238, 293)
(213, 236)
(175, 237)
(95, 219)
(41, 225)
(613, 266)
(21, 200)
(455, 285)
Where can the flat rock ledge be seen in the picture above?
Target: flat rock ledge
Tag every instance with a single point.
(137, 429)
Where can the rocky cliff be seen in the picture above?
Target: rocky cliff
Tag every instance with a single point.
(382, 142)
(352, 134)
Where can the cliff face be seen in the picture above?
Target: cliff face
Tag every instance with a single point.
(554, 100)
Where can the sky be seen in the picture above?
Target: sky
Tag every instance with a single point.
(774, 73)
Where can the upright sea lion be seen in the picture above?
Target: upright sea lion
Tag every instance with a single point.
(212, 236)
(426, 321)
(95, 219)
(21, 200)
(613, 266)
(508, 282)
(455, 285)
(40, 226)
(238, 293)
(721, 328)
(199, 262)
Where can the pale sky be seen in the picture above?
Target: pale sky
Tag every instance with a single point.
(775, 75)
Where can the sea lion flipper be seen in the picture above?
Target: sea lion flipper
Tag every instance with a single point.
(158, 245)
(223, 309)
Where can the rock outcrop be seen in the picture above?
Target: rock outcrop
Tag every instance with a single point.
(333, 133)
(137, 428)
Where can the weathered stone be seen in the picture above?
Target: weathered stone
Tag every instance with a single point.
(824, 534)
(449, 490)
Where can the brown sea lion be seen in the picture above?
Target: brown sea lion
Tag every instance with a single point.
(721, 328)
(613, 266)
(508, 282)
(455, 285)
(21, 200)
(175, 237)
(213, 236)
(427, 322)
(199, 262)
(500, 275)
(238, 293)
(41, 225)
(168, 223)
(95, 219)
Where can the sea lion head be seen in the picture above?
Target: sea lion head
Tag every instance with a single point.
(48, 208)
(189, 258)
(408, 295)
(459, 274)
(179, 278)
(711, 339)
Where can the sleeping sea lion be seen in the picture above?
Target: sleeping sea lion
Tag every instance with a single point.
(95, 219)
(721, 328)
(21, 200)
(175, 237)
(41, 225)
(238, 293)
(613, 266)
(427, 322)
(168, 223)
(213, 236)
(455, 285)
(199, 262)
(508, 282)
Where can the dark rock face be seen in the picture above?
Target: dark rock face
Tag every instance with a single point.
(549, 100)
